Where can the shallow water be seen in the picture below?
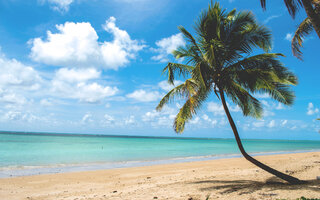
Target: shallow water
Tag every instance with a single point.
(30, 150)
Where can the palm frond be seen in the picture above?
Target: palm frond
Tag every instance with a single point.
(302, 31)
(192, 40)
(279, 92)
(292, 6)
(258, 66)
(249, 105)
(189, 109)
(184, 90)
(173, 69)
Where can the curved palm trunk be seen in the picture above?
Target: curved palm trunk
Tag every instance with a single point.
(281, 175)
(313, 15)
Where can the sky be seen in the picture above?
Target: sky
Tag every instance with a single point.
(94, 67)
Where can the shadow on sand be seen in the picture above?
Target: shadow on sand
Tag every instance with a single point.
(249, 186)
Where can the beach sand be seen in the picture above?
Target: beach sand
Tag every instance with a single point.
(232, 179)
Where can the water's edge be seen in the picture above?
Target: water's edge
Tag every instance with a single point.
(15, 171)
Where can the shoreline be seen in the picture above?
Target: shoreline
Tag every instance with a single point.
(232, 178)
(18, 171)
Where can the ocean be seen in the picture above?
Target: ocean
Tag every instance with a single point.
(28, 154)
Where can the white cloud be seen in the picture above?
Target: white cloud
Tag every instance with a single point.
(87, 118)
(108, 119)
(46, 102)
(77, 75)
(215, 108)
(76, 45)
(166, 46)
(235, 108)
(164, 118)
(19, 116)
(311, 110)
(8, 97)
(150, 116)
(206, 118)
(118, 52)
(271, 18)
(262, 96)
(73, 84)
(130, 120)
(164, 85)
(289, 36)
(268, 113)
(280, 106)
(87, 92)
(269, 107)
(144, 96)
(258, 124)
(17, 80)
(59, 5)
(284, 122)
(15, 74)
(195, 120)
(272, 124)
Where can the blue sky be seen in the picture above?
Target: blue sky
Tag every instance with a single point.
(94, 66)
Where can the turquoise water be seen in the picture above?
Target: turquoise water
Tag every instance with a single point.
(36, 150)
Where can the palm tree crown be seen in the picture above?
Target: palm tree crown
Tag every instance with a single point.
(217, 61)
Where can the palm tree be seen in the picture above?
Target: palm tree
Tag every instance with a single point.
(218, 60)
(312, 22)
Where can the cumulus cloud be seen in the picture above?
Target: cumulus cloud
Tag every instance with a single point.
(217, 109)
(211, 121)
(272, 124)
(87, 118)
(158, 119)
(9, 97)
(76, 45)
(195, 120)
(130, 120)
(73, 84)
(19, 116)
(289, 36)
(118, 52)
(166, 46)
(150, 116)
(108, 119)
(258, 124)
(15, 74)
(144, 96)
(311, 110)
(59, 5)
(46, 102)
(284, 122)
(16, 80)
(164, 85)
(77, 75)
